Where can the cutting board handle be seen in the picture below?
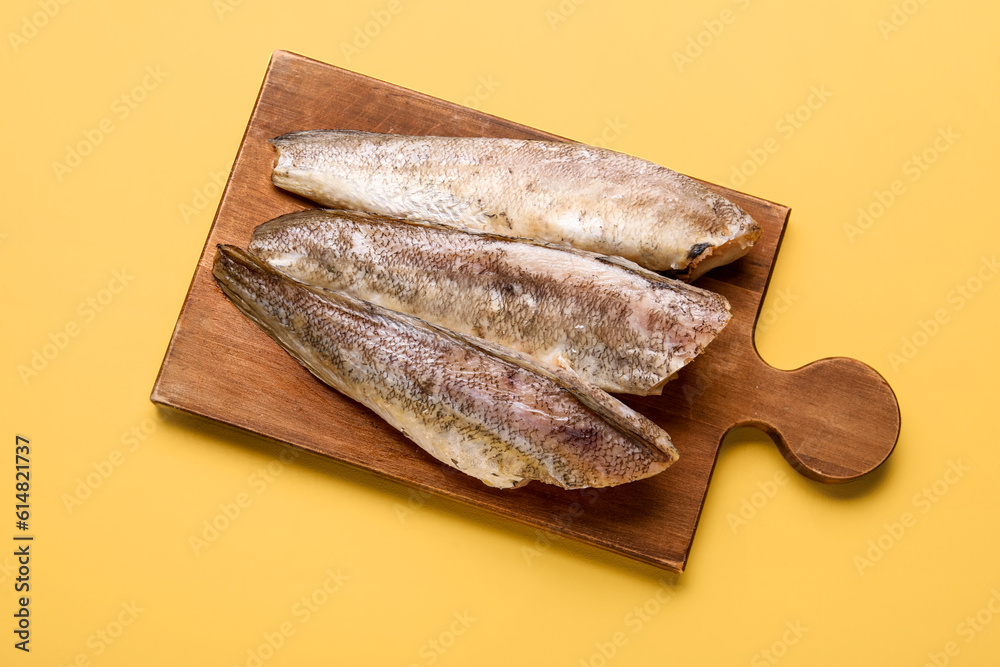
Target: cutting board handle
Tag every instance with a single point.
(834, 420)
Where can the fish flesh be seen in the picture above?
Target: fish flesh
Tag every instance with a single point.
(488, 411)
(564, 193)
(620, 327)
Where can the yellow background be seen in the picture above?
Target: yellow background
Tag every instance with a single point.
(427, 581)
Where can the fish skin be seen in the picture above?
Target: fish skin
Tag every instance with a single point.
(565, 193)
(483, 409)
(620, 327)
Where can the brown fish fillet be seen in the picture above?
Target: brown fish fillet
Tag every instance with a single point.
(565, 193)
(620, 327)
(490, 412)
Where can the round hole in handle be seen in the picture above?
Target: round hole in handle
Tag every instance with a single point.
(833, 420)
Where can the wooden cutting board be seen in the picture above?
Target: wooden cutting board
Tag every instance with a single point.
(834, 420)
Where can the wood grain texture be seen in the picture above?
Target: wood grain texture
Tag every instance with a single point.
(834, 419)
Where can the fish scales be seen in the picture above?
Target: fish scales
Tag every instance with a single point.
(566, 193)
(621, 328)
(489, 412)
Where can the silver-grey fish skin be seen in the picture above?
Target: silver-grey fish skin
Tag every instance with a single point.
(565, 193)
(485, 410)
(623, 329)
